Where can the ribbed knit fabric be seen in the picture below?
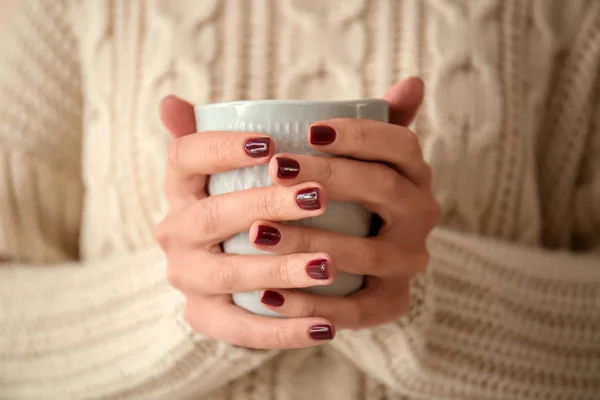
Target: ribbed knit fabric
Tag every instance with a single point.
(510, 305)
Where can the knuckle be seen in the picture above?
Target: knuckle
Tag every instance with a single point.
(280, 273)
(427, 173)
(435, 212)
(242, 336)
(269, 202)
(369, 254)
(174, 155)
(324, 169)
(206, 216)
(162, 234)
(174, 276)
(312, 309)
(305, 243)
(422, 261)
(411, 144)
(360, 135)
(190, 316)
(360, 317)
(225, 278)
(166, 182)
(388, 181)
(219, 149)
(283, 337)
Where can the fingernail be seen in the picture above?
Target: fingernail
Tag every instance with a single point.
(321, 332)
(287, 168)
(308, 199)
(258, 147)
(322, 135)
(271, 298)
(267, 236)
(317, 269)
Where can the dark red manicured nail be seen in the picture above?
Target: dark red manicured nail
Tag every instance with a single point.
(271, 298)
(258, 147)
(322, 135)
(267, 236)
(321, 332)
(308, 199)
(317, 269)
(287, 168)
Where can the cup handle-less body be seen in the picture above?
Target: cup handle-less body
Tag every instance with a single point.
(287, 123)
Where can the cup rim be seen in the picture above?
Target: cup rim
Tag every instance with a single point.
(272, 102)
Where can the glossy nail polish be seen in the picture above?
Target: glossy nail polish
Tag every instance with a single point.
(287, 168)
(321, 332)
(322, 135)
(267, 236)
(258, 147)
(308, 199)
(271, 298)
(317, 269)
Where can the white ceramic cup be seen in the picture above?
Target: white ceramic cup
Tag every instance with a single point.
(287, 122)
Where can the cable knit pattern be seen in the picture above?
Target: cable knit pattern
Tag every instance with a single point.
(567, 127)
(36, 223)
(329, 57)
(511, 126)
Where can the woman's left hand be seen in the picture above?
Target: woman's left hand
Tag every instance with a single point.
(386, 173)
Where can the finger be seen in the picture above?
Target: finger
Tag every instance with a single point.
(380, 302)
(376, 186)
(371, 140)
(208, 153)
(405, 98)
(217, 218)
(226, 322)
(356, 255)
(192, 157)
(226, 274)
(177, 116)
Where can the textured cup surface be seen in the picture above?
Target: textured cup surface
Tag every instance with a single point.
(287, 122)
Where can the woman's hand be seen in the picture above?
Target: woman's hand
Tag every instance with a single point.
(393, 181)
(387, 175)
(196, 224)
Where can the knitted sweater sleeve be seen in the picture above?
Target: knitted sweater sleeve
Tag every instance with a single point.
(104, 329)
(491, 317)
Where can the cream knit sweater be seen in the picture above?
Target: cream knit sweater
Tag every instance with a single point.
(510, 305)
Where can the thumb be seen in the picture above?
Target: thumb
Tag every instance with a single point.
(405, 98)
(177, 116)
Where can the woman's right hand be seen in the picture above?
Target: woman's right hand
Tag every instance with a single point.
(196, 224)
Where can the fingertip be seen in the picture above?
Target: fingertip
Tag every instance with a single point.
(167, 100)
(416, 87)
(331, 267)
(321, 133)
(263, 234)
(273, 169)
(253, 232)
(406, 93)
(311, 196)
(259, 148)
(321, 268)
(324, 199)
(284, 169)
(404, 98)
(322, 330)
(272, 299)
(177, 115)
(170, 103)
